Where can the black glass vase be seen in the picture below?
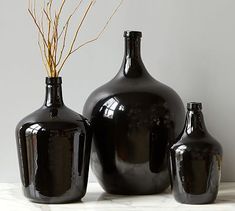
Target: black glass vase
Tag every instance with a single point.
(54, 150)
(195, 161)
(134, 120)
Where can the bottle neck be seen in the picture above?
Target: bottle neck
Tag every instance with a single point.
(133, 66)
(54, 96)
(195, 124)
(133, 48)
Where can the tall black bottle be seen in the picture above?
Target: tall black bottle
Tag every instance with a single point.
(195, 161)
(54, 150)
(134, 119)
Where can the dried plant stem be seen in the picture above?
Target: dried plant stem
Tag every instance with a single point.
(65, 31)
(51, 40)
(41, 51)
(101, 32)
(76, 34)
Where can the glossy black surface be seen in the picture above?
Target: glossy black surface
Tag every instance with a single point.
(195, 161)
(134, 119)
(54, 150)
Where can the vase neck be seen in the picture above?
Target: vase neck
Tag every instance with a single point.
(54, 96)
(195, 124)
(133, 46)
(132, 65)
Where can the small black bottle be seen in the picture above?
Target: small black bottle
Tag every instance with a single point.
(195, 161)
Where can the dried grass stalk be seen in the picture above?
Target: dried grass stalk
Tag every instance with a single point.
(52, 40)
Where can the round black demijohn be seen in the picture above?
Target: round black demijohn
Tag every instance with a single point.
(54, 150)
(134, 120)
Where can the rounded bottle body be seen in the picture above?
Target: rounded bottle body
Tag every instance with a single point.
(134, 120)
(195, 162)
(54, 149)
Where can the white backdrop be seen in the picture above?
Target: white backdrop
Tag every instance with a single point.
(187, 44)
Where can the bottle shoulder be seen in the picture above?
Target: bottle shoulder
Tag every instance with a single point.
(54, 117)
(132, 91)
(120, 85)
(206, 143)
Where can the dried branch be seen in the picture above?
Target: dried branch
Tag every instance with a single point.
(63, 46)
(102, 31)
(65, 31)
(76, 34)
(51, 46)
(38, 26)
(68, 20)
(43, 56)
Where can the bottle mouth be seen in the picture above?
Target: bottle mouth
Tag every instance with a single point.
(194, 106)
(133, 34)
(53, 80)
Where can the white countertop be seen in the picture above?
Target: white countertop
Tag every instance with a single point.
(12, 199)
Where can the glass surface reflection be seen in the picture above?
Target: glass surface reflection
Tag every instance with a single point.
(110, 107)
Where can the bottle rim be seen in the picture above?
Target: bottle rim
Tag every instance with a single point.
(53, 80)
(194, 106)
(134, 34)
